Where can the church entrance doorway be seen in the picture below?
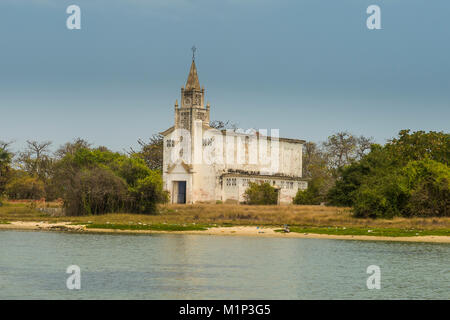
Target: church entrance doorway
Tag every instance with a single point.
(179, 191)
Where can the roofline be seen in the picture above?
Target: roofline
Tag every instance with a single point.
(224, 132)
(263, 176)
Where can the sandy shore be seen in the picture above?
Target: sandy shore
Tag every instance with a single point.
(219, 231)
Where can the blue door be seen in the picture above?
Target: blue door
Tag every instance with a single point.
(181, 192)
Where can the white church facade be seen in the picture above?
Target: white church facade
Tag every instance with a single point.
(203, 164)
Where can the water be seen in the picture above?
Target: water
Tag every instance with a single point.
(165, 266)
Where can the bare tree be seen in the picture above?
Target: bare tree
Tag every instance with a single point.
(151, 151)
(38, 149)
(4, 145)
(343, 148)
(340, 149)
(363, 145)
(35, 159)
(222, 125)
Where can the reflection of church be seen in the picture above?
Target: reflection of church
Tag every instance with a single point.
(239, 157)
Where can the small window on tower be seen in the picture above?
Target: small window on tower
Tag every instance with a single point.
(170, 143)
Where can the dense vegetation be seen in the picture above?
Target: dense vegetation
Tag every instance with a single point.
(89, 180)
(408, 176)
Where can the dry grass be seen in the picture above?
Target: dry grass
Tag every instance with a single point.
(230, 214)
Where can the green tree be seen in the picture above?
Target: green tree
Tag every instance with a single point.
(311, 196)
(382, 196)
(147, 193)
(420, 145)
(261, 194)
(24, 186)
(385, 160)
(429, 182)
(95, 191)
(96, 181)
(5, 168)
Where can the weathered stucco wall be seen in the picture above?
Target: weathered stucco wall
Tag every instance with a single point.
(205, 157)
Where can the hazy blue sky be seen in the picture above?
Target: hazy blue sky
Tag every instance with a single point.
(307, 67)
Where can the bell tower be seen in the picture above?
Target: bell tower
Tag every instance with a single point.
(192, 101)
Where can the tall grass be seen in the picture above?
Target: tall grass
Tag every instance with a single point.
(231, 214)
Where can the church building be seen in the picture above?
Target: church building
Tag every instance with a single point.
(204, 164)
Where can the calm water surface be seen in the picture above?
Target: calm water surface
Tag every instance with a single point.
(164, 266)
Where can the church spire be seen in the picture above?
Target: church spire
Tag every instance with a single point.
(192, 81)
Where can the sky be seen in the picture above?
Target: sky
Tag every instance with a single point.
(309, 68)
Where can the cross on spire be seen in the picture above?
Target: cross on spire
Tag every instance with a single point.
(193, 52)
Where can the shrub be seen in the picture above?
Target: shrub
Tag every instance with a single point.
(96, 181)
(381, 197)
(310, 196)
(5, 169)
(147, 193)
(421, 188)
(261, 193)
(431, 198)
(95, 191)
(25, 187)
(430, 184)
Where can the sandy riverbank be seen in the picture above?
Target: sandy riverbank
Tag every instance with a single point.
(219, 231)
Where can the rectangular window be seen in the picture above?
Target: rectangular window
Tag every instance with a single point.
(208, 142)
(170, 143)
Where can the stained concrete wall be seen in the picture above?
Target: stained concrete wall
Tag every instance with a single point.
(234, 152)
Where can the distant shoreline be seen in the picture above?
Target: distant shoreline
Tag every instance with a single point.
(251, 231)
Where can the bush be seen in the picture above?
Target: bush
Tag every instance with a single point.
(25, 187)
(381, 197)
(430, 184)
(431, 198)
(421, 188)
(408, 176)
(5, 169)
(261, 193)
(96, 181)
(310, 196)
(147, 193)
(95, 191)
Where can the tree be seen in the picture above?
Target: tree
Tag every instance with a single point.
(222, 125)
(311, 196)
(36, 160)
(261, 194)
(316, 169)
(314, 161)
(407, 176)
(24, 186)
(340, 149)
(420, 145)
(147, 193)
(152, 151)
(95, 191)
(5, 166)
(429, 182)
(72, 147)
(343, 148)
(4, 145)
(96, 181)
